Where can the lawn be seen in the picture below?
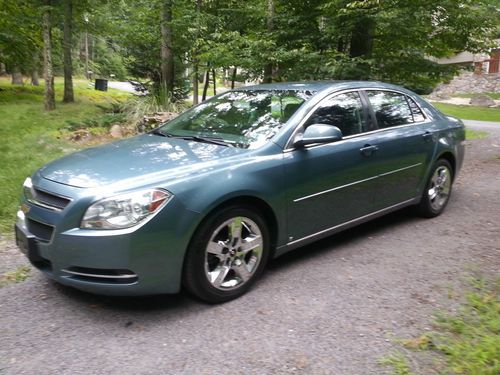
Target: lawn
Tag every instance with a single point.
(30, 137)
(468, 112)
(466, 341)
(493, 95)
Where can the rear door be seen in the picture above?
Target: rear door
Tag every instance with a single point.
(405, 146)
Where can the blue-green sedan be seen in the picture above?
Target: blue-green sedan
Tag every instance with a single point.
(203, 201)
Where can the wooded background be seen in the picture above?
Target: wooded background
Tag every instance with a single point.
(169, 41)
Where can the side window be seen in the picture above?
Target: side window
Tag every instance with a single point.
(391, 108)
(418, 116)
(344, 111)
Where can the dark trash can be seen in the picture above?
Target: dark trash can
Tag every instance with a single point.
(101, 84)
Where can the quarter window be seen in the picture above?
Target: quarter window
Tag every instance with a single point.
(344, 111)
(418, 116)
(391, 108)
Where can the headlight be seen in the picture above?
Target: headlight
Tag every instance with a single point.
(124, 211)
(28, 189)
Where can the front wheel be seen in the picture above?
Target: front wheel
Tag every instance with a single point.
(226, 255)
(437, 191)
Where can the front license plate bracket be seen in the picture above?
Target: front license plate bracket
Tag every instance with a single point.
(27, 243)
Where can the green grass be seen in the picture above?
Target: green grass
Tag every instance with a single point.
(471, 134)
(493, 95)
(468, 112)
(20, 274)
(398, 362)
(30, 137)
(465, 342)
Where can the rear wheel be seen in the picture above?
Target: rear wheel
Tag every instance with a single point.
(437, 191)
(226, 255)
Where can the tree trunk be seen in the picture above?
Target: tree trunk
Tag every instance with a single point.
(195, 59)
(215, 84)
(233, 78)
(49, 100)
(86, 49)
(93, 42)
(35, 79)
(17, 76)
(207, 82)
(68, 64)
(167, 56)
(195, 83)
(361, 44)
(34, 70)
(268, 68)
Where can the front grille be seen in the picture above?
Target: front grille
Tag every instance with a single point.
(48, 199)
(102, 276)
(41, 231)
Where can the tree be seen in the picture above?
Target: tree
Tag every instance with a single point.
(20, 38)
(49, 98)
(34, 69)
(68, 96)
(268, 68)
(195, 58)
(167, 55)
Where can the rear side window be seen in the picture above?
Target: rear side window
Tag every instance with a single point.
(418, 116)
(391, 108)
(344, 111)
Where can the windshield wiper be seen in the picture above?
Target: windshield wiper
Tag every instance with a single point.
(197, 138)
(158, 131)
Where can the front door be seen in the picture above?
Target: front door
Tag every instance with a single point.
(330, 184)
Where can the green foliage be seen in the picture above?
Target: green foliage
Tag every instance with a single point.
(158, 100)
(296, 39)
(20, 33)
(398, 362)
(30, 137)
(108, 61)
(103, 121)
(470, 339)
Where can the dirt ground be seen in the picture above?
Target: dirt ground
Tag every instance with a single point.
(334, 307)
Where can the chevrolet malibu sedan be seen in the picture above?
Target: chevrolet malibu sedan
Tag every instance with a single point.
(203, 201)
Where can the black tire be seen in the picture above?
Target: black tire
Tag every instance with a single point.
(437, 190)
(216, 259)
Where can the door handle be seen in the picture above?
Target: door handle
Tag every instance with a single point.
(427, 136)
(367, 150)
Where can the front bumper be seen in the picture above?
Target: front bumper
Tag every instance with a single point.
(146, 260)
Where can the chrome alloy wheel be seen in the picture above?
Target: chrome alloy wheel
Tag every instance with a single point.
(440, 187)
(233, 253)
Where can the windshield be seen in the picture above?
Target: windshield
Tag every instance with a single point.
(246, 119)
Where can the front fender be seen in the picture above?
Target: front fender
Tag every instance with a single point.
(257, 176)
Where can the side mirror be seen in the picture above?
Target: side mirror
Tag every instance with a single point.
(318, 133)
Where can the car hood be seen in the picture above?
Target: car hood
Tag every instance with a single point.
(145, 156)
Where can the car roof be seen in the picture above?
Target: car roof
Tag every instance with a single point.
(319, 85)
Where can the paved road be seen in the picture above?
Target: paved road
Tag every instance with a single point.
(128, 87)
(483, 125)
(334, 307)
(123, 86)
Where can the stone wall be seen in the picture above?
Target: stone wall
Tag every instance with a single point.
(468, 83)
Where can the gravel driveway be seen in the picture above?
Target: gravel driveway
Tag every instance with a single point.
(333, 307)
